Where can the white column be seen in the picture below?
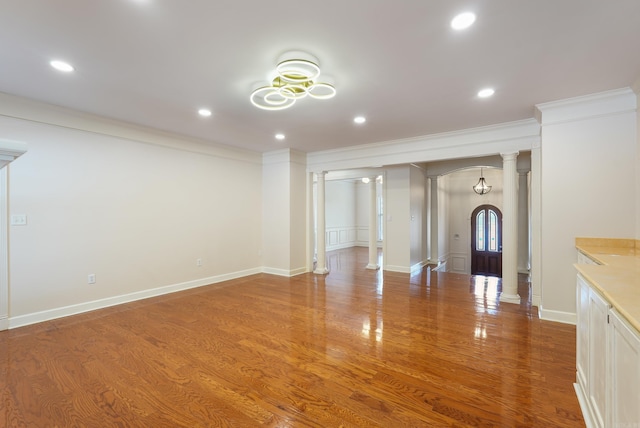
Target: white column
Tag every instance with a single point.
(321, 266)
(510, 229)
(523, 222)
(373, 235)
(4, 251)
(434, 220)
(536, 228)
(428, 216)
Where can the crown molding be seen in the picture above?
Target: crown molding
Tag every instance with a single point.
(35, 111)
(284, 156)
(588, 106)
(11, 149)
(520, 135)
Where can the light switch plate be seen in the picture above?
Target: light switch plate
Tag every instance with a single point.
(18, 219)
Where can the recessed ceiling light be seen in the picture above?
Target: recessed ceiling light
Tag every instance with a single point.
(204, 112)
(463, 20)
(486, 93)
(279, 136)
(360, 119)
(61, 66)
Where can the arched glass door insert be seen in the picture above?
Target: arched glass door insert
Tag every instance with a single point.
(486, 246)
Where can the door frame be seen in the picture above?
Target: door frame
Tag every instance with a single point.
(474, 214)
(4, 250)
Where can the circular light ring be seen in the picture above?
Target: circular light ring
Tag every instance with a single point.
(298, 70)
(263, 98)
(293, 92)
(273, 98)
(325, 92)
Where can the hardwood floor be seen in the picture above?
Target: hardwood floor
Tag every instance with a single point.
(355, 348)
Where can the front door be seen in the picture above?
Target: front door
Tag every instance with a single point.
(486, 241)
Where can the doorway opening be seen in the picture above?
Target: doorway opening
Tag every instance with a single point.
(486, 241)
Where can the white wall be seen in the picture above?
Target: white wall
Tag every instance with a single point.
(397, 247)
(637, 90)
(444, 228)
(284, 212)
(298, 214)
(276, 214)
(362, 201)
(340, 205)
(418, 217)
(588, 158)
(135, 214)
(462, 201)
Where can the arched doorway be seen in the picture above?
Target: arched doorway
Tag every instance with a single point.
(486, 241)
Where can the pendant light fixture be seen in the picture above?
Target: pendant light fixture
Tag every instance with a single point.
(481, 188)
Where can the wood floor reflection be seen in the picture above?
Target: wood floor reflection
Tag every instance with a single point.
(353, 348)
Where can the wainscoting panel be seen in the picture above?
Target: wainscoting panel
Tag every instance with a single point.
(458, 263)
(341, 237)
(362, 236)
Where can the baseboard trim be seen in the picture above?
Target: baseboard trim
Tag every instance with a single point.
(584, 407)
(51, 314)
(557, 316)
(418, 267)
(401, 269)
(4, 323)
(284, 272)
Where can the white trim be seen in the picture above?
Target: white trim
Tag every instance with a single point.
(10, 150)
(557, 316)
(401, 269)
(39, 112)
(4, 250)
(587, 106)
(535, 300)
(418, 267)
(284, 156)
(33, 318)
(489, 140)
(442, 267)
(284, 272)
(584, 407)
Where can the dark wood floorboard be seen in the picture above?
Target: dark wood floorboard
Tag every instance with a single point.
(355, 348)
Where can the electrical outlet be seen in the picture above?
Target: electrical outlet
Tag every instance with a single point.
(91, 279)
(198, 262)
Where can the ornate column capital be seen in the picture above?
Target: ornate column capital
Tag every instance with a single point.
(510, 156)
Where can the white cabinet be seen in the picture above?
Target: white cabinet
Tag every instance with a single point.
(607, 362)
(596, 385)
(624, 351)
(591, 353)
(582, 332)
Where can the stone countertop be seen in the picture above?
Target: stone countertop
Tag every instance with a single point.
(617, 277)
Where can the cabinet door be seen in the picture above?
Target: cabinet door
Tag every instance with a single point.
(598, 326)
(625, 373)
(582, 339)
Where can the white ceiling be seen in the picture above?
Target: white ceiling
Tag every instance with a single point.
(156, 62)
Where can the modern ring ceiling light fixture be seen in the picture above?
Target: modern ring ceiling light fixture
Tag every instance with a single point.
(481, 188)
(295, 77)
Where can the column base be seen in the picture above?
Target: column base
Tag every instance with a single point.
(510, 298)
(321, 271)
(372, 267)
